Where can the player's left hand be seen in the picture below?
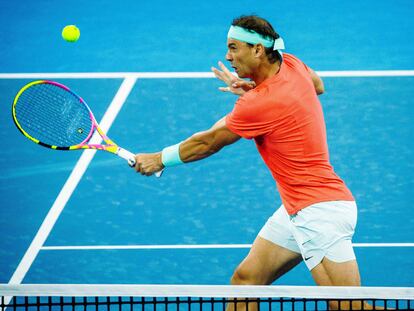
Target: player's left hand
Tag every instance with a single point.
(235, 85)
(148, 163)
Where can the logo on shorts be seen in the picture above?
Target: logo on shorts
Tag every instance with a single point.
(307, 258)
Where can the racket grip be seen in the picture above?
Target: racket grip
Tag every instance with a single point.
(130, 157)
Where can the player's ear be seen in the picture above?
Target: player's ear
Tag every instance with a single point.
(259, 50)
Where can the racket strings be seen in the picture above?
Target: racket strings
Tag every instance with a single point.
(53, 115)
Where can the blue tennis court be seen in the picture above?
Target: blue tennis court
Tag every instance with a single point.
(73, 217)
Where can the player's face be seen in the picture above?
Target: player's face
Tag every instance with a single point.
(241, 57)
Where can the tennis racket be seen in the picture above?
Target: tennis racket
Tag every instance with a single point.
(51, 115)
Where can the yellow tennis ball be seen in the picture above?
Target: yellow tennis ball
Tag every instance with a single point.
(71, 33)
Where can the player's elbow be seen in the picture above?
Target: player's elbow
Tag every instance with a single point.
(320, 89)
(319, 86)
(317, 83)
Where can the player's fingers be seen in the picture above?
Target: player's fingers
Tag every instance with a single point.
(220, 75)
(149, 170)
(138, 163)
(225, 70)
(224, 89)
(246, 85)
(215, 71)
(230, 77)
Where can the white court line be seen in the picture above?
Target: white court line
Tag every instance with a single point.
(106, 75)
(193, 246)
(70, 185)
(180, 75)
(367, 73)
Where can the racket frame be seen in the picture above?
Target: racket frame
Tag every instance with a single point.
(109, 145)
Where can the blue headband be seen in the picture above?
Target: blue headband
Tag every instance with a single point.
(252, 37)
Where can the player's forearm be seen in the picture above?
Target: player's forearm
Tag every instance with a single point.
(197, 147)
(200, 145)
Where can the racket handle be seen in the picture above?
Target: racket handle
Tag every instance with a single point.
(130, 157)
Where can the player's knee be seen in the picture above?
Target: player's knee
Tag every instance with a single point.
(243, 276)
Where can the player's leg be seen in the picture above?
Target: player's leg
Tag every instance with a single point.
(265, 263)
(324, 233)
(273, 253)
(331, 273)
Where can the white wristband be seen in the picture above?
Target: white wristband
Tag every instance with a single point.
(170, 156)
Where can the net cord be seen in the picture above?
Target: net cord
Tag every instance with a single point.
(219, 291)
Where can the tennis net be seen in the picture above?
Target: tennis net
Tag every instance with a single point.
(201, 297)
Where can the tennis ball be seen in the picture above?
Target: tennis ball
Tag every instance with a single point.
(71, 33)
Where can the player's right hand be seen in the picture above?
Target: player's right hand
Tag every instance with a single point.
(148, 163)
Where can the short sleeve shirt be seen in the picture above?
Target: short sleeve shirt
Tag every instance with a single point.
(284, 117)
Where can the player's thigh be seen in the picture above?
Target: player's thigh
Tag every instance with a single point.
(265, 263)
(330, 273)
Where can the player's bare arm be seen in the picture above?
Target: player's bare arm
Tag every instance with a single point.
(317, 82)
(206, 143)
(197, 147)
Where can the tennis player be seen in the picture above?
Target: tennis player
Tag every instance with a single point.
(279, 108)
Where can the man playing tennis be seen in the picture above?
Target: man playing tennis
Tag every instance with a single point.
(279, 109)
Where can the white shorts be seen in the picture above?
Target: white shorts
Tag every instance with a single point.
(317, 231)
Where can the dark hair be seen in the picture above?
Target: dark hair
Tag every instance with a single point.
(263, 27)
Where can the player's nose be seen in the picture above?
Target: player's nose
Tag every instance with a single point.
(229, 57)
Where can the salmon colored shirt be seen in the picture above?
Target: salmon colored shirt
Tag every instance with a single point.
(284, 117)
